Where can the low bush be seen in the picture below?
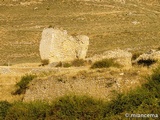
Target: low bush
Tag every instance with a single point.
(75, 63)
(153, 84)
(105, 63)
(63, 64)
(28, 111)
(67, 65)
(78, 62)
(23, 83)
(76, 107)
(147, 62)
(65, 108)
(4, 106)
(45, 62)
(59, 64)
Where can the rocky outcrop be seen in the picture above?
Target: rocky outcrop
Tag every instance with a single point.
(148, 58)
(56, 45)
(120, 56)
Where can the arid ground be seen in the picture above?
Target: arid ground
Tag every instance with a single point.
(110, 92)
(134, 26)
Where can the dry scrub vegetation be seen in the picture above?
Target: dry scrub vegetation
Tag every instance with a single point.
(80, 89)
(144, 99)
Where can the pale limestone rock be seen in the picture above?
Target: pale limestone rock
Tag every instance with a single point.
(151, 55)
(83, 46)
(56, 45)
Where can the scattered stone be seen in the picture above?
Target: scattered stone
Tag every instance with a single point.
(56, 45)
(36, 8)
(121, 74)
(5, 70)
(148, 58)
(135, 22)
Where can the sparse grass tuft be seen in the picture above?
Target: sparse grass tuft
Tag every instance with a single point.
(45, 62)
(60, 64)
(105, 63)
(136, 55)
(75, 63)
(67, 65)
(78, 62)
(6, 64)
(4, 106)
(23, 83)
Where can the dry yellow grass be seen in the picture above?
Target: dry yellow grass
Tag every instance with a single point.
(9, 76)
(56, 82)
(7, 86)
(98, 83)
(109, 25)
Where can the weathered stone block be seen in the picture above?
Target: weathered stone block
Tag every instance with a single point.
(56, 45)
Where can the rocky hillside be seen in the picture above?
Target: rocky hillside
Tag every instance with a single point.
(109, 25)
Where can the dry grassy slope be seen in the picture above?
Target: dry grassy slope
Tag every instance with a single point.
(7, 86)
(109, 25)
(56, 82)
(100, 84)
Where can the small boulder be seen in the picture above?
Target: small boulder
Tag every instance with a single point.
(148, 58)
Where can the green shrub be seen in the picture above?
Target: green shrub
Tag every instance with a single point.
(23, 83)
(65, 108)
(45, 62)
(105, 63)
(147, 62)
(4, 106)
(76, 107)
(153, 84)
(155, 77)
(28, 111)
(67, 64)
(78, 62)
(145, 99)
